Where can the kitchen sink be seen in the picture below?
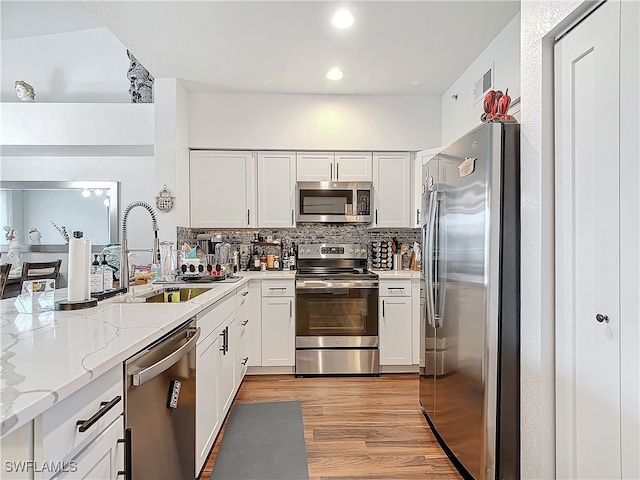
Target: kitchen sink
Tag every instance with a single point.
(185, 293)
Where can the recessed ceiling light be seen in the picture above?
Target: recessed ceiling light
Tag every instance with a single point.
(335, 74)
(342, 19)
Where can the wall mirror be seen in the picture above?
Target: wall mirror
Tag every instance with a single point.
(32, 209)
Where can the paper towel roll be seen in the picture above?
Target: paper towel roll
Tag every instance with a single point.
(78, 287)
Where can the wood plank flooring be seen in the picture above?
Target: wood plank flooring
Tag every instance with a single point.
(356, 428)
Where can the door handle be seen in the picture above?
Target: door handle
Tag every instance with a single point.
(602, 318)
(156, 369)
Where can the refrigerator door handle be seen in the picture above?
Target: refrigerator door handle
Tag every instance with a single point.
(428, 259)
(439, 265)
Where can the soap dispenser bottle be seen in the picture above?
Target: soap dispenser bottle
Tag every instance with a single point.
(96, 278)
(107, 274)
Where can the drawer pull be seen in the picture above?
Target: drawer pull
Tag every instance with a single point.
(244, 294)
(104, 408)
(245, 360)
(277, 288)
(244, 323)
(395, 288)
(127, 454)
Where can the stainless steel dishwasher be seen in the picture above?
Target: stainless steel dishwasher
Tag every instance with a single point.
(160, 407)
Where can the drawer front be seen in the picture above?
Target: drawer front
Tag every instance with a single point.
(56, 429)
(278, 288)
(216, 314)
(395, 288)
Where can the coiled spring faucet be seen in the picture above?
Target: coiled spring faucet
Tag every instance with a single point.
(124, 267)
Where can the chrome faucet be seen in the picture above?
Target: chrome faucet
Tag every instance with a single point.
(124, 266)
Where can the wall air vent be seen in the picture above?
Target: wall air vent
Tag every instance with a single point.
(483, 85)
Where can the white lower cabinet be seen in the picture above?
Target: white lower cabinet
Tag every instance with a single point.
(101, 460)
(227, 365)
(278, 325)
(207, 411)
(64, 432)
(395, 324)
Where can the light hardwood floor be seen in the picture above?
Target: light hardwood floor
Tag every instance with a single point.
(355, 427)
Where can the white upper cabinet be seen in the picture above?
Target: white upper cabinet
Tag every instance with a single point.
(334, 167)
(315, 166)
(222, 189)
(392, 190)
(276, 189)
(353, 167)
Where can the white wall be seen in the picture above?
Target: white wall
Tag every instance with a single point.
(322, 122)
(462, 115)
(135, 175)
(540, 19)
(84, 66)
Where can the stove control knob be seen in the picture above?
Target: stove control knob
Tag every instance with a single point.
(351, 250)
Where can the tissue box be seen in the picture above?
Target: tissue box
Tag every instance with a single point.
(36, 296)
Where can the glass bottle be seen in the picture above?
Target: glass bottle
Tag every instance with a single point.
(107, 274)
(167, 259)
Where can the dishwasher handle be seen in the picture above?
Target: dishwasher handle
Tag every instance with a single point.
(156, 369)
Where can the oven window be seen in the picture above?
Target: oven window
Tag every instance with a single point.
(326, 202)
(346, 312)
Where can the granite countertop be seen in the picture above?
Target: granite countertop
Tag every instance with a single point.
(45, 357)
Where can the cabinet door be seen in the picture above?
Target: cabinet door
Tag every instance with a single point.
(207, 409)
(278, 332)
(395, 330)
(276, 189)
(254, 332)
(222, 189)
(226, 367)
(102, 459)
(353, 167)
(391, 184)
(315, 167)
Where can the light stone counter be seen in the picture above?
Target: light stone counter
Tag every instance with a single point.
(384, 274)
(45, 357)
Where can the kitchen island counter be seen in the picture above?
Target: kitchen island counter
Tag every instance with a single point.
(47, 356)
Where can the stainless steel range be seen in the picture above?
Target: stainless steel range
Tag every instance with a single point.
(336, 311)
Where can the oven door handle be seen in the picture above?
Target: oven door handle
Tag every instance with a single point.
(317, 285)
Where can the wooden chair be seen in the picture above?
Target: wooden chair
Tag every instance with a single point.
(40, 270)
(4, 275)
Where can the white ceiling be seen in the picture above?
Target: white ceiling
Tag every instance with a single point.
(394, 47)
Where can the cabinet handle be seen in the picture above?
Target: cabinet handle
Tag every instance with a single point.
(602, 318)
(244, 323)
(376, 216)
(382, 308)
(223, 348)
(248, 217)
(292, 219)
(245, 360)
(127, 454)
(104, 408)
(244, 294)
(226, 329)
(337, 171)
(290, 309)
(395, 288)
(331, 171)
(418, 216)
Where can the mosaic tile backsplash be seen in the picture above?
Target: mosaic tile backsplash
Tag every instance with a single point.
(308, 233)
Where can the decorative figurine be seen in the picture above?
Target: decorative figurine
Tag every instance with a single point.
(25, 91)
(35, 236)
(14, 251)
(141, 89)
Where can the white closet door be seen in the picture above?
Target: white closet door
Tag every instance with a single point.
(587, 248)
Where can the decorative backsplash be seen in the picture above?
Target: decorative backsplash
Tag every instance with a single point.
(307, 233)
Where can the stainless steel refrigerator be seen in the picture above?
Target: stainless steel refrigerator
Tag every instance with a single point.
(469, 389)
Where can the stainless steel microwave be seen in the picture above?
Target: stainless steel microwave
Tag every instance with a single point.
(334, 202)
